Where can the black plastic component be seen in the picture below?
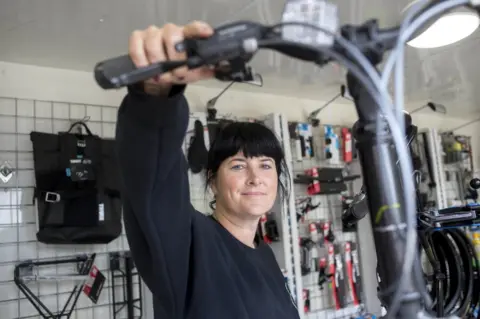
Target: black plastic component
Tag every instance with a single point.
(315, 122)
(121, 71)
(475, 183)
(449, 217)
(197, 154)
(354, 211)
(330, 237)
(307, 208)
(271, 229)
(323, 277)
(379, 167)
(306, 245)
(121, 267)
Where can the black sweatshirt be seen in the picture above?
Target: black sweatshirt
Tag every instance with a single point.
(194, 267)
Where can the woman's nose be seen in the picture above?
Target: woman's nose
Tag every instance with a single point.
(253, 178)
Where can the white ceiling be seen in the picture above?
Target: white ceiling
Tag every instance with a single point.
(75, 34)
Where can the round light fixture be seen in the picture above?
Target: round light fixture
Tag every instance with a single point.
(448, 29)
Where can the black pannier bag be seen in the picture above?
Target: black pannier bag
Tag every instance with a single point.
(77, 190)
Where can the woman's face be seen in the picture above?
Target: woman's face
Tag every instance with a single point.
(246, 186)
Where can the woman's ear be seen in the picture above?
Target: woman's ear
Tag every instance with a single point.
(212, 183)
(213, 187)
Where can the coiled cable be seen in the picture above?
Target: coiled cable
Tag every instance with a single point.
(455, 283)
(472, 290)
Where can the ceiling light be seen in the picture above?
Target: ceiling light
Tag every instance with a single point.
(448, 29)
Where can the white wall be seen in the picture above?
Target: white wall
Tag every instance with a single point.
(32, 82)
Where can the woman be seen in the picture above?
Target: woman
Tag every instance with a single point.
(196, 266)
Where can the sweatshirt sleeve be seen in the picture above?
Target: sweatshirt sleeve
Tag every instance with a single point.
(156, 201)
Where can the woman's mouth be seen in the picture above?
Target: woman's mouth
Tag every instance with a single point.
(254, 193)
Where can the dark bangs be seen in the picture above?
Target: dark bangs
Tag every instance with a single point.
(254, 140)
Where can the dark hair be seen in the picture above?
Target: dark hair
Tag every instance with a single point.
(253, 139)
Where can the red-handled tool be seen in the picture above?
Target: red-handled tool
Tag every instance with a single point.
(314, 187)
(347, 145)
(263, 222)
(350, 273)
(332, 270)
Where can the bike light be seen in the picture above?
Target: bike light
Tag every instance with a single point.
(447, 29)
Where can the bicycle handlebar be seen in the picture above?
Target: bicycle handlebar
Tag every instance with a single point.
(237, 42)
(387, 190)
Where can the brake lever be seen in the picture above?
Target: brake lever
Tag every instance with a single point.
(228, 45)
(121, 71)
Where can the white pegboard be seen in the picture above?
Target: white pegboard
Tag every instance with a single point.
(18, 117)
(454, 179)
(436, 156)
(295, 277)
(329, 209)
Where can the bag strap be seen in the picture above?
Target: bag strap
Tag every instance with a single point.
(82, 123)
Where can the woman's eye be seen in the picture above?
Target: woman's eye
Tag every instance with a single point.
(237, 167)
(266, 166)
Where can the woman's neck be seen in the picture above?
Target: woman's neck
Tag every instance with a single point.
(242, 229)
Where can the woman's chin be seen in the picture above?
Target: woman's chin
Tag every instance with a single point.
(256, 210)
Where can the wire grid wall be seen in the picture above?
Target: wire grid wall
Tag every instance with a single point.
(329, 209)
(18, 117)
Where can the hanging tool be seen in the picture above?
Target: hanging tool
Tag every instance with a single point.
(306, 245)
(307, 208)
(323, 277)
(351, 273)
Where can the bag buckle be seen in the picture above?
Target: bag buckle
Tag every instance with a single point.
(51, 197)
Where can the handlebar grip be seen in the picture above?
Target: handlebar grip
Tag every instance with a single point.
(121, 71)
(115, 72)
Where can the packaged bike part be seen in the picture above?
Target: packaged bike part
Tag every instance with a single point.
(332, 271)
(306, 141)
(295, 135)
(94, 285)
(350, 273)
(263, 221)
(332, 145)
(318, 13)
(272, 230)
(340, 294)
(347, 145)
(306, 300)
(328, 236)
(322, 272)
(357, 276)
(313, 230)
(314, 187)
(314, 258)
(306, 245)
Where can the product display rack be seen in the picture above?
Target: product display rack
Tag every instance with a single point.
(327, 209)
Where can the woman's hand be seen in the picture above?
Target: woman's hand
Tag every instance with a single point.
(156, 44)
